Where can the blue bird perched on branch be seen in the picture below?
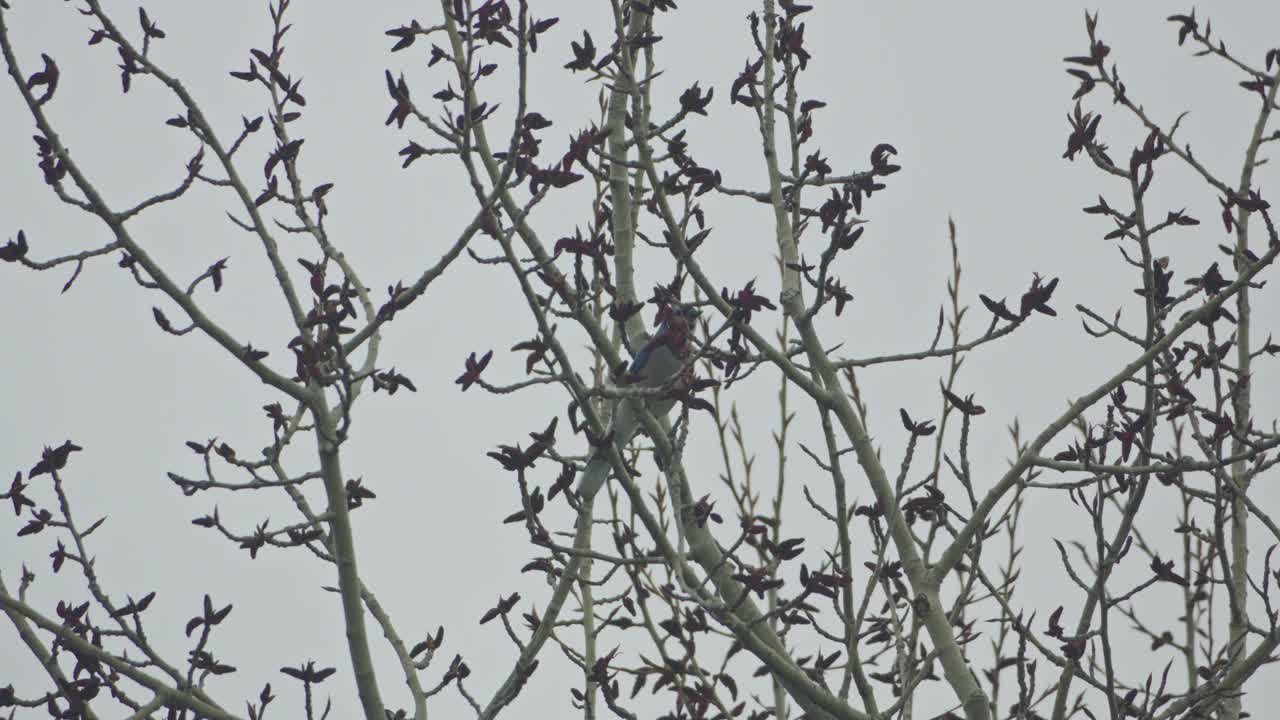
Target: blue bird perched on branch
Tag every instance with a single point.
(657, 363)
(665, 353)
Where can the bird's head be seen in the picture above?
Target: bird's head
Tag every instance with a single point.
(682, 315)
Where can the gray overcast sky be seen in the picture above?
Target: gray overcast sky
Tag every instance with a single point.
(973, 96)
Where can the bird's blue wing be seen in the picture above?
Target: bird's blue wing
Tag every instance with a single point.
(642, 358)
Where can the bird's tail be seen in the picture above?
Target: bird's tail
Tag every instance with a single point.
(598, 465)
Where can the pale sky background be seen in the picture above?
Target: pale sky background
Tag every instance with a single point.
(974, 96)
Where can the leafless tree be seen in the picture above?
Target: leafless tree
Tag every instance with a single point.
(897, 608)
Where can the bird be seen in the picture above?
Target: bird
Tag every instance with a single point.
(664, 354)
(657, 362)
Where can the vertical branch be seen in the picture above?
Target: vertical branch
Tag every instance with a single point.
(853, 668)
(780, 442)
(1238, 647)
(623, 215)
(344, 556)
(792, 300)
